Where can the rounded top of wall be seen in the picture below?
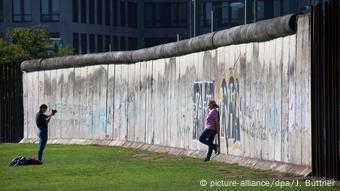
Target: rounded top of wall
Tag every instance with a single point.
(254, 32)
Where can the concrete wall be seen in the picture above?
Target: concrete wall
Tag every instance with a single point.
(263, 89)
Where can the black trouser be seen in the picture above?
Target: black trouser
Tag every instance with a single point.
(42, 141)
(207, 138)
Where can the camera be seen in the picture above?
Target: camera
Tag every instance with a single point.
(54, 111)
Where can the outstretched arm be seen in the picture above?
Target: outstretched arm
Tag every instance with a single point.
(48, 118)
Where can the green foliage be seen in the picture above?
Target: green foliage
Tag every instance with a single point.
(79, 167)
(65, 51)
(33, 40)
(12, 53)
(29, 43)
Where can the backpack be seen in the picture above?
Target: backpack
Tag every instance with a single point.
(20, 160)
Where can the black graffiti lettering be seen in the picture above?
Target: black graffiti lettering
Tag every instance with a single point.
(203, 91)
(230, 122)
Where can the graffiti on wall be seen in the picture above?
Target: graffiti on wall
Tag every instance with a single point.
(203, 91)
(229, 112)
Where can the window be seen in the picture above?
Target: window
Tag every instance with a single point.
(122, 13)
(165, 15)
(225, 14)
(56, 40)
(1, 11)
(277, 8)
(132, 43)
(76, 43)
(92, 43)
(265, 10)
(22, 11)
(99, 12)
(54, 35)
(83, 43)
(148, 15)
(122, 43)
(107, 43)
(83, 11)
(284, 7)
(178, 15)
(303, 5)
(290, 6)
(148, 42)
(182, 15)
(205, 13)
(114, 43)
(237, 16)
(100, 43)
(107, 12)
(91, 11)
(114, 13)
(260, 10)
(75, 11)
(132, 16)
(50, 10)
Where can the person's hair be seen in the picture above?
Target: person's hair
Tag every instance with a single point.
(213, 102)
(43, 106)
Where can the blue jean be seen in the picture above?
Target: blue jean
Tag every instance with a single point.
(207, 138)
(42, 142)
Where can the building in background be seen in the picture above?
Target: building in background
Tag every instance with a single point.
(110, 25)
(216, 15)
(87, 25)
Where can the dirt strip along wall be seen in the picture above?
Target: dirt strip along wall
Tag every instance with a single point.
(262, 88)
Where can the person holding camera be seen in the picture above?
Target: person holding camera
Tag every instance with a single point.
(42, 121)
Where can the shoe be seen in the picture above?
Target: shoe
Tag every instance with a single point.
(206, 159)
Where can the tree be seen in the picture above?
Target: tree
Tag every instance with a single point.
(65, 51)
(29, 43)
(33, 40)
(12, 53)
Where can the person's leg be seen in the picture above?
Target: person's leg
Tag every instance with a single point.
(42, 142)
(211, 145)
(204, 136)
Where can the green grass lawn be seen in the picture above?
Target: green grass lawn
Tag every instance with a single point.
(78, 167)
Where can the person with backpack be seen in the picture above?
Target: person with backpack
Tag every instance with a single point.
(211, 129)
